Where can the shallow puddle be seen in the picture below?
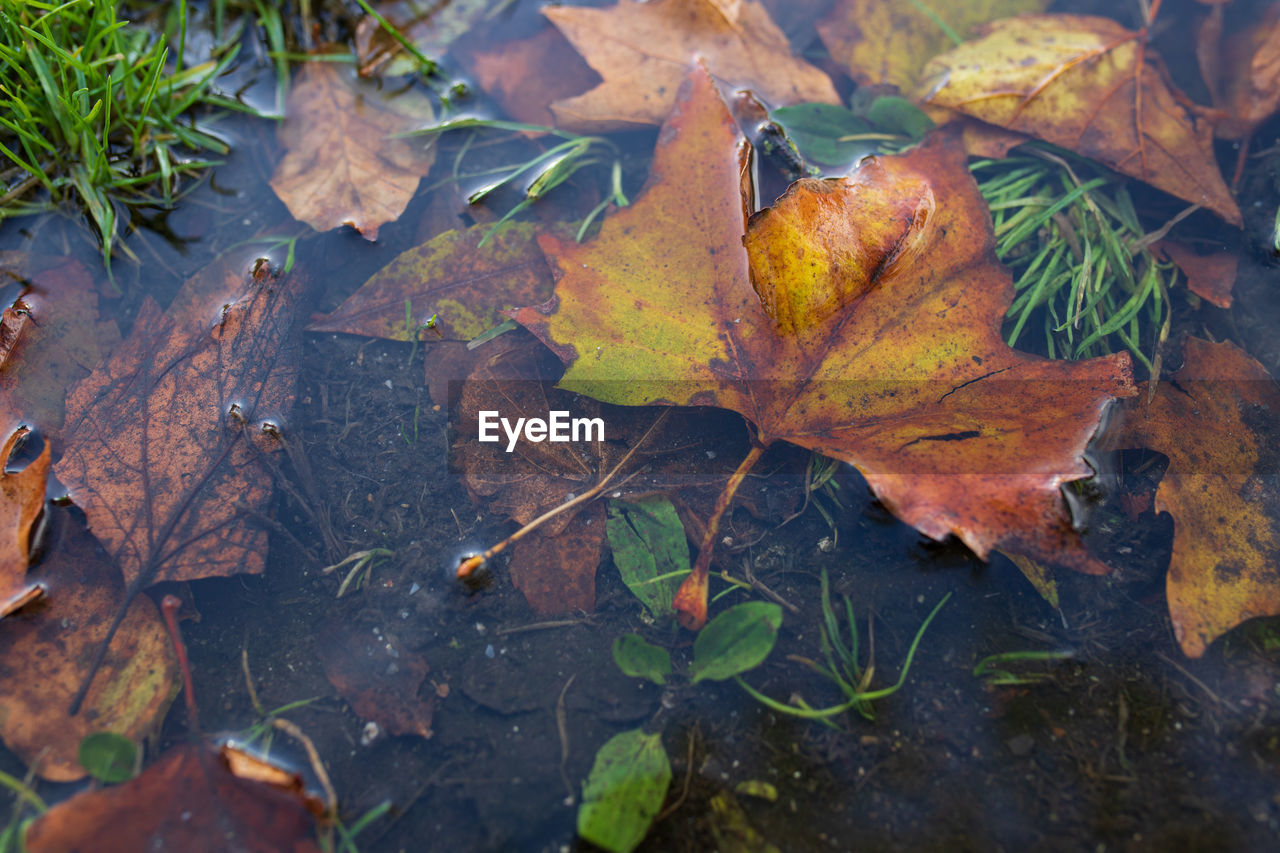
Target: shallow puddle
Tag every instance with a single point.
(305, 464)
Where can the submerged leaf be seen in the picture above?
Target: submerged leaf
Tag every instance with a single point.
(871, 333)
(627, 785)
(1216, 421)
(50, 340)
(643, 49)
(639, 658)
(648, 543)
(193, 799)
(378, 674)
(343, 163)
(1075, 81)
(45, 653)
(165, 440)
(464, 284)
(737, 640)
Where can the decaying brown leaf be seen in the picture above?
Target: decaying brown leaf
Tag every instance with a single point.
(163, 441)
(343, 164)
(378, 674)
(515, 74)
(52, 338)
(1090, 85)
(888, 41)
(1216, 419)
(21, 502)
(193, 800)
(643, 50)
(45, 653)
(1210, 276)
(1248, 73)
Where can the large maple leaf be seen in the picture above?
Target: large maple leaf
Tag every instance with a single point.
(861, 320)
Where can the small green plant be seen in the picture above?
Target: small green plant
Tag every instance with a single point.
(1001, 670)
(108, 757)
(361, 570)
(631, 773)
(96, 110)
(650, 550)
(843, 667)
(542, 172)
(12, 834)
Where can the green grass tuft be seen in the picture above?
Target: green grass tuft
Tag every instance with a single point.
(96, 110)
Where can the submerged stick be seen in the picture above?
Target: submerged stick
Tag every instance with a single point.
(469, 565)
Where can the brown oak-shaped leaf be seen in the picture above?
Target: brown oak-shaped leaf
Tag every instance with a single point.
(21, 501)
(515, 74)
(193, 799)
(344, 164)
(1090, 85)
(887, 41)
(643, 50)
(45, 651)
(871, 334)
(49, 340)
(164, 440)
(1216, 419)
(378, 674)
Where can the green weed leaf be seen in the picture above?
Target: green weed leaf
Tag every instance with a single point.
(640, 659)
(108, 757)
(737, 640)
(627, 785)
(817, 131)
(650, 550)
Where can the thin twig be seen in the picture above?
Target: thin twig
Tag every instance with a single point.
(562, 727)
(684, 792)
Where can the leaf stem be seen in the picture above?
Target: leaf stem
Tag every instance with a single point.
(691, 599)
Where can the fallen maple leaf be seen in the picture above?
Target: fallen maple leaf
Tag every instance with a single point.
(193, 799)
(343, 163)
(21, 502)
(378, 674)
(889, 41)
(871, 333)
(49, 340)
(1090, 85)
(1216, 421)
(45, 652)
(643, 50)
